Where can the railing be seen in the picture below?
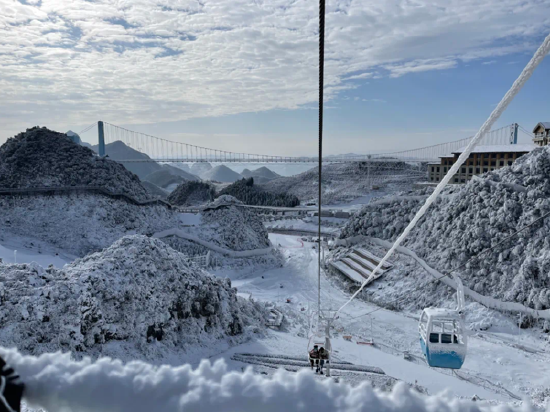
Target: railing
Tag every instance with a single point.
(29, 191)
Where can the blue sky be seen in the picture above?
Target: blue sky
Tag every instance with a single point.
(240, 75)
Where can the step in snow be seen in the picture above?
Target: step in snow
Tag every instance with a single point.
(367, 264)
(373, 258)
(347, 271)
(357, 267)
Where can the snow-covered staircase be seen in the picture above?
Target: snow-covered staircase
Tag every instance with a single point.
(358, 265)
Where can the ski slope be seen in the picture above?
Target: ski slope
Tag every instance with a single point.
(500, 366)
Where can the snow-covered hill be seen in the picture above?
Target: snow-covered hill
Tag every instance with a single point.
(471, 218)
(192, 194)
(154, 190)
(341, 182)
(221, 173)
(138, 297)
(260, 175)
(41, 157)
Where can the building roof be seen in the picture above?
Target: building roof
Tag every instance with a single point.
(501, 148)
(546, 126)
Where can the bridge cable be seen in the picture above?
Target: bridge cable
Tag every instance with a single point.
(87, 128)
(499, 109)
(506, 239)
(321, 86)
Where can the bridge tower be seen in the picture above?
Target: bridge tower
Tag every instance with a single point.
(101, 137)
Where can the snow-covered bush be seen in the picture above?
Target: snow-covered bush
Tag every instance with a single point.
(41, 157)
(471, 218)
(136, 292)
(81, 223)
(55, 382)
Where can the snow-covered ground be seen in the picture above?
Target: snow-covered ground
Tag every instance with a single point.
(32, 250)
(498, 359)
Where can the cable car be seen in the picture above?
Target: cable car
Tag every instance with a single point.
(443, 338)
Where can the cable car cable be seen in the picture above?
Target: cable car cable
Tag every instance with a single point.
(321, 86)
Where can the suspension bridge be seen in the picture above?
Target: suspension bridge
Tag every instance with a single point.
(162, 150)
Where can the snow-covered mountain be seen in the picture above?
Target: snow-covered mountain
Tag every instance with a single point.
(138, 297)
(199, 168)
(120, 151)
(41, 157)
(473, 217)
(221, 173)
(169, 175)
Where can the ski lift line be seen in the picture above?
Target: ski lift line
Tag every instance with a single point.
(503, 104)
(321, 86)
(461, 266)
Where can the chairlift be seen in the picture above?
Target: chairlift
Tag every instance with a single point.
(321, 338)
(443, 338)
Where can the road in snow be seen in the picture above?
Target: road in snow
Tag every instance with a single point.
(491, 355)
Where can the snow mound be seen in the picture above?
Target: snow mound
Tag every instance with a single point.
(55, 382)
(192, 194)
(41, 157)
(221, 173)
(471, 218)
(136, 292)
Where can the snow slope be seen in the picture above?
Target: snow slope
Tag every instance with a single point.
(471, 218)
(221, 173)
(139, 297)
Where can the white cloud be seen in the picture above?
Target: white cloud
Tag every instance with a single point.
(55, 382)
(398, 70)
(142, 61)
